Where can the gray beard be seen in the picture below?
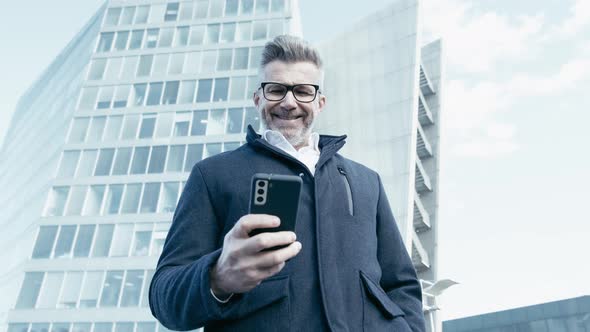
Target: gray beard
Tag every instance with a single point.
(297, 140)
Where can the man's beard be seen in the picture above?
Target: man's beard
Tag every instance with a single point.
(296, 136)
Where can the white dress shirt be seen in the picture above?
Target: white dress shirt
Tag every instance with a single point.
(308, 154)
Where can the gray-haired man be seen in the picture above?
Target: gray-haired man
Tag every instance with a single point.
(344, 268)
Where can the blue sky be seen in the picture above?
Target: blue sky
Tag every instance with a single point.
(514, 171)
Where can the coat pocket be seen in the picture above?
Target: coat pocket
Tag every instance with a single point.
(264, 308)
(380, 313)
(348, 190)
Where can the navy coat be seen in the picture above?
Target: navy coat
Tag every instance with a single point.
(353, 272)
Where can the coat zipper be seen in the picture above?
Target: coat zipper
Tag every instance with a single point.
(348, 190)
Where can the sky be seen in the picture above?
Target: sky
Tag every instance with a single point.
(513, 218)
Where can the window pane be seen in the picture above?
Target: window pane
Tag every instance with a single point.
(128, 13)
(81, 327)
(157, 159)
(124, 326)
(96, 129)
(57, 201)
(76, 200)
(169, 197)
(246, 7)
(204, 90)
(72, 286)
(201, 9)
(187, 92)
(229, 146)
(193, 155)
(241, 58)
(131, 200)
(113, 127)
(186, 11)
(215, 8)
(160, 64)
(45, 241)
(122, 240)
(105, 97)
(212, 36)
(87, 162)
(91, 288)
(29, 290)
(40, 327)
(68, 164)
(132, 289)
(216, 122)
(140, 158)
(63, 247)
(208, 62)
(197, 34)
(229, 31)
(152, 38)
(159, 239)
(102, 244)
(181, 123)
(277, 6)
(181, 38)
(113, 200)
(136, 39)
(164, 124)
(243, 31)
(148, 124)
(121, 96)
(130, 126)
(88, 98)
(129, 67)
(122, 161)
(141, 244)
(234, 120)
(224, 59)
(261, 7)
(175, 158)
(146, 286)
(171, 12)
(170, 93)
(231, 7)
(253, 84)
(79, 128)
(221, 87)
(50, 290)
(103, 327)
(112, 17)
(176, 63)
(259, 30)
(166, 35)
(275, 28)
(199, 122)
(112, 287)
(105, 160)
(252, 118)
(94, 200)
(105, 42)
(255, 57)
(155, 93)
(84, 241)
(142, 14)
(146, 326)
(138, 94)
(18, 327)
(145, 65)
(121, 41)
(212, 149)
(238, 87)
(97, 68)
(60, 327)
(149, 201)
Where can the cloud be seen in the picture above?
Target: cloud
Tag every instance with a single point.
(578, 19)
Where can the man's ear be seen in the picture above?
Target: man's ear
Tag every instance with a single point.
(256, 98)
(321, 102)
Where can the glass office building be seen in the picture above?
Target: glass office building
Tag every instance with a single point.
(571, 315)
(148, 88)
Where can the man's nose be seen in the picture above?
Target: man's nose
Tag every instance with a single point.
(289, 101)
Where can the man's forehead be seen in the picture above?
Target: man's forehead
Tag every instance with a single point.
(295, 72)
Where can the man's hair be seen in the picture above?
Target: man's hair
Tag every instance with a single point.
(290, 49)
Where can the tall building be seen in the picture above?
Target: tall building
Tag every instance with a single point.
(109, 133)
(569, 315)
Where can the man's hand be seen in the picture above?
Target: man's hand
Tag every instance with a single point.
(242, 265)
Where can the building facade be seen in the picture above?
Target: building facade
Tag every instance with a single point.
(152, 87)
(570, 315)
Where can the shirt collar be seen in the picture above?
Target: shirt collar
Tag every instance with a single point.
(277, 139)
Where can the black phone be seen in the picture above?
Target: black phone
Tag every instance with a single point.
(276, 195)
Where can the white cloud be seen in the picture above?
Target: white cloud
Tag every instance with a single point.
(578, 19)
(485, 148)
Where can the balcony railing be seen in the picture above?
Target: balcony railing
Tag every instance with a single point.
(419, 255)
(425, 83)
(422, 179)
(421, 217)
(423, 147)
(424, 113)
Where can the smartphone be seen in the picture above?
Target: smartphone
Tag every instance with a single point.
(276, 195)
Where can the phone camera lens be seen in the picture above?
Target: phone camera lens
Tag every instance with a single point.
(259, 199)
(260, 191)
(261, 184)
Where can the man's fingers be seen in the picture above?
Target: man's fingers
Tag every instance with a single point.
(266, 240)
(269, 259)
(249, 222)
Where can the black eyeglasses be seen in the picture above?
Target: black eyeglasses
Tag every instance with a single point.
(304, 93)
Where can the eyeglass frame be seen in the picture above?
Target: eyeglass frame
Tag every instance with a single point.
(290, 88)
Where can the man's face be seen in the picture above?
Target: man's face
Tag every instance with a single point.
(292, 118)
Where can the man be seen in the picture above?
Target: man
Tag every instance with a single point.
(344, 268)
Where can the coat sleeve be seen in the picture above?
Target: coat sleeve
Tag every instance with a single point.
(398, 279)
(179, 294)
